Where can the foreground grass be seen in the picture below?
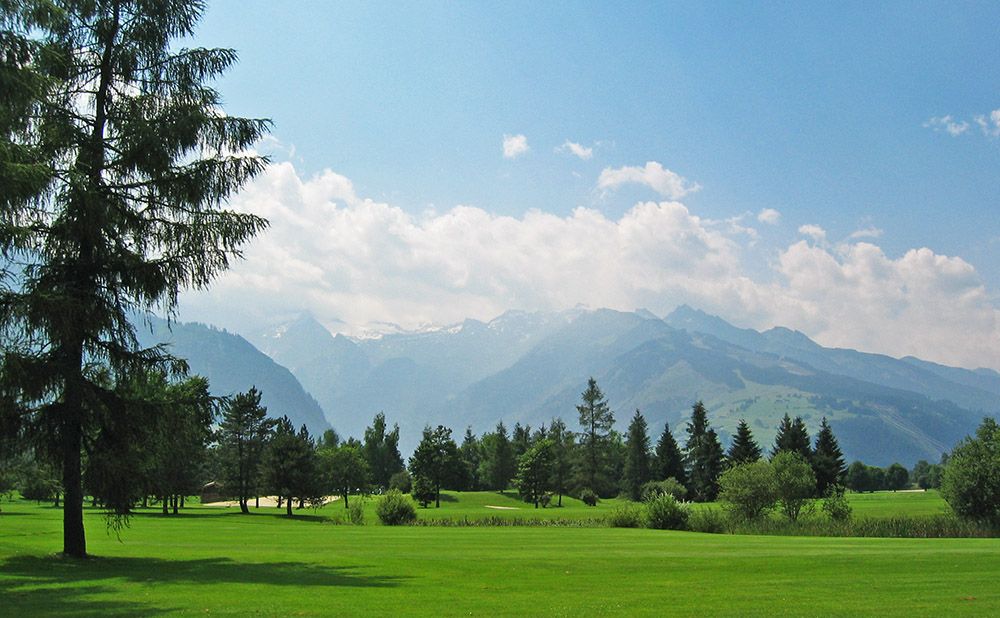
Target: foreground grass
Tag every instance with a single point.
(218, 562)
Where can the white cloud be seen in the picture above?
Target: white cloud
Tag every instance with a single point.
(815, 232)
(868, 232)
(514, 146)
(577, 150)
(343, 257)
(990, 124)
(769, 216)
(947, 124)
(660, 179)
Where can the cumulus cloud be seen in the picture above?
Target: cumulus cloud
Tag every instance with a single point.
(514, 146)
(577, 150)
(815, 232)
(667, 183)
(769, 216)
(947, 124)
(355, 261)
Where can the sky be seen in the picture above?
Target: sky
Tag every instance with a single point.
(831, 168)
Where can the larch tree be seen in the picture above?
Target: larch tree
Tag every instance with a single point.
(562, 452)
(115, 161)
(596, 421)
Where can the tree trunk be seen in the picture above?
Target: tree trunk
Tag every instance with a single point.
(164, 502)
(288, 506)
(437, 497)
(173, 503)
(281, 501)
(345, 499)
(145, 501)
(560, 498)
(256, 502)
(243, 506)
(182, 500)
(56, 503)
(74, 537)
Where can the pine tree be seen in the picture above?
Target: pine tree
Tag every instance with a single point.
(243, 436)
(828, 460)
(596, 419)
(669, 459)
(472, 456)
(114, 159)
(290, 466)
(498, 465)
(704, 456)
(792, 436)
(520, 440)
(744, 448)
(637, 464)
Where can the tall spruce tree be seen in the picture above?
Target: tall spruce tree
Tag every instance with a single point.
(637, 460)
(827, 460)
(114, 159)
(596, 420)
(792, 436)
(291, 469)
(472, 455)
(744, 448)
(704, 456)
(498, 465)
(669, 459)
(520, 440)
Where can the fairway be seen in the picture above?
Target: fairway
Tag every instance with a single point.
(210, 561)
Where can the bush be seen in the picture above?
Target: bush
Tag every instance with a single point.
(971, 481)
(395, 509)
(626, 515)
(707, 520)
(666, 513)
(669, 487)
(356, 512)
(401, 481)
(589, 497)
(748, 491)
(545, 499)
(835, 504)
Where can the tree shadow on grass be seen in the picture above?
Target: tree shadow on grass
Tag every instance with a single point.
(57, 586)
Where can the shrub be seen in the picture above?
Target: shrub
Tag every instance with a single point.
(666, 513)
(589, 497)
(835, 504)
(356, 512)
(669, 487)
(626, 515)
(748, 491)
(545, 499)
(395, 509)
(707, 520)
(401, 481)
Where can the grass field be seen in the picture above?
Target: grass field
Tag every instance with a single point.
(215, 561)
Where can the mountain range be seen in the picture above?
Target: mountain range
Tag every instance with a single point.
(529, 367)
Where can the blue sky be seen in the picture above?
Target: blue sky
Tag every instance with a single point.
(836, 116)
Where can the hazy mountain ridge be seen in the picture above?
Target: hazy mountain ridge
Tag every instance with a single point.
(232, 365)
(529, 367)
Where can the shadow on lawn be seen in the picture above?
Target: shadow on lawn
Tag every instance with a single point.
(56, 586)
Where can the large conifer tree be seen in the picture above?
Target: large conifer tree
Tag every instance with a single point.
(115, 158)
(792, 436)
(637, 468)
(827, 460)
(596, 420)
(744, 448)
(669, 459)
(704, 456)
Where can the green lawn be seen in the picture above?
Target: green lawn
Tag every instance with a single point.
(219, 562)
